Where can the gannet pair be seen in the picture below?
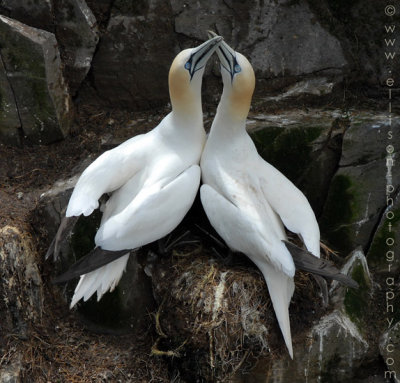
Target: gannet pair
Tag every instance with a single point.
(153, 178)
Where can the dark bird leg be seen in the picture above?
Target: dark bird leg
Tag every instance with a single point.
(321, 282)
(63, 232)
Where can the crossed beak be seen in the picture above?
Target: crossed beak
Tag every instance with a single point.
(226, 55)
(201, 54)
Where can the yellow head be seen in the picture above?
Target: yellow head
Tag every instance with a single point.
(239, 80)
(186, 73)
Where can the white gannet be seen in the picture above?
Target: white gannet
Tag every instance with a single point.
(246, 199)
(153, 179)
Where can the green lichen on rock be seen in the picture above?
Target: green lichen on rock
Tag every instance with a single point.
(34, 70)
(356, 301)
(289, 150)
(339, 212)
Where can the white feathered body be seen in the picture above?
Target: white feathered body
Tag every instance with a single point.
(153, 179)
(247, 201)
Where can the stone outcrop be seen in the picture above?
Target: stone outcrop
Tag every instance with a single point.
(78, 35)
(131, 66)
(33, 69)
(309, 45)
(280, 38)
(74, 26)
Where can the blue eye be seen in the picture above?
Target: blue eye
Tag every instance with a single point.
(237, 68)
(188, 65)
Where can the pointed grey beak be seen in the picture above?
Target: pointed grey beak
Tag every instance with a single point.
(200, 55)
(227, 56)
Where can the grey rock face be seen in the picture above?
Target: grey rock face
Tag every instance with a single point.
(296, 43)
(135, 53)
(73, 24)
(366, 46)
(357, 197)
(32, 63)
(9, 119)
(37, 14)
(78, 34)
(280, 38)
(332, 351)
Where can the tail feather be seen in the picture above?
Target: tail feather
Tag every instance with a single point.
(306, 261)
(281, 288)
(101, 280)
(90, 262)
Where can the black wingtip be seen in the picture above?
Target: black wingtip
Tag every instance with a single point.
(90, 262)
(306, 261)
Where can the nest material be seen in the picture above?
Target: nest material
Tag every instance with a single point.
(221, 314)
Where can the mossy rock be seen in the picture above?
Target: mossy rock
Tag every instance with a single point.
(356, 301)
(339, 210)
(353, 207)
(34, 70)
(289, 150)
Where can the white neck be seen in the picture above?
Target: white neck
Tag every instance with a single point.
(226, 123)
